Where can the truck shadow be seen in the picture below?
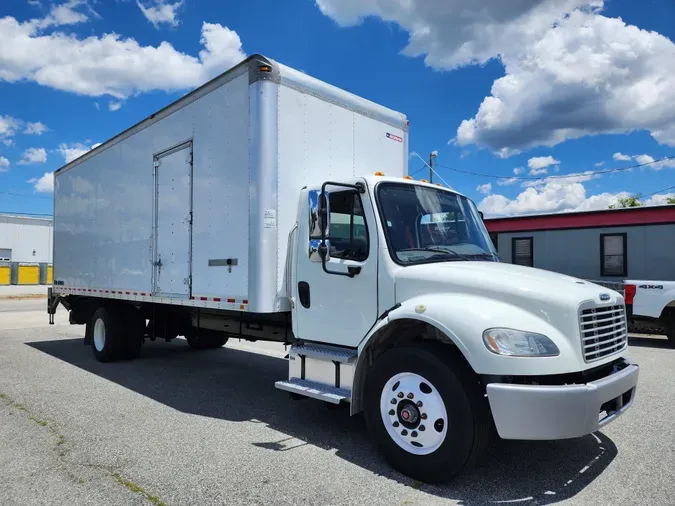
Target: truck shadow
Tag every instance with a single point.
(659, 342)
(236, 385)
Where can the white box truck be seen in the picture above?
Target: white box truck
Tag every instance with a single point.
(257, 207)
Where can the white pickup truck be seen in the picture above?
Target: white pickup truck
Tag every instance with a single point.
(650, 307)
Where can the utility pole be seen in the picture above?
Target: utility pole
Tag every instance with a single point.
(432, 155)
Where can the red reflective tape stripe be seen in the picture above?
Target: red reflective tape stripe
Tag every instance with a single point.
(216, 299)
(135, 293)
(192, 298)
(128, 293)
(231, 300)
(203, 298)
(244, 301)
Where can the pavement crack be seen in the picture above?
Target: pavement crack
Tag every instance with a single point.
(61, 450)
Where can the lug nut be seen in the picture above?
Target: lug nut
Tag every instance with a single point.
(423, 416)
(422, 428)
(400, 395)
(392, 412)
(395, 424)
(394, 401)
(404, 432)
(419, 404)
(413, 434)
(410, 395)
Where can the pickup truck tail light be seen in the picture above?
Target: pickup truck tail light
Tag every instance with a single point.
(629, 293)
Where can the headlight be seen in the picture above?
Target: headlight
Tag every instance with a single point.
(518, 343)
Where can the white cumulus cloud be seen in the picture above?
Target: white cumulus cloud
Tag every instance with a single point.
(484, 188)
(160, 11)
(35, 128)
(518, 171)
(507, 181)
(110, 64)
(569, 70)
(4, 164)
(33, 155)
(621, 157)
(44, 184)
(8, 126)
(70, 152)
(114, 105)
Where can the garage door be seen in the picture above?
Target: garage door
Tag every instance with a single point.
(5, 254)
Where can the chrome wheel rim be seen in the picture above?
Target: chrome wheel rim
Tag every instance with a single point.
(99, 334)
(414, 414)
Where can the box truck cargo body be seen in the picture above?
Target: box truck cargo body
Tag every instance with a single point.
(196, 202)
(268, 205)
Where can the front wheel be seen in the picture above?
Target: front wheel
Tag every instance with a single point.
(425, 411)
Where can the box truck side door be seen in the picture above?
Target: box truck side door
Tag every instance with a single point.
(173, 221)
(334, 307)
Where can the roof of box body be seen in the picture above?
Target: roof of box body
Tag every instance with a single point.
(278, 73)
(584, 219)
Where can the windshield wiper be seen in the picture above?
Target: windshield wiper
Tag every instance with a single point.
(492, 256)
(445, 251)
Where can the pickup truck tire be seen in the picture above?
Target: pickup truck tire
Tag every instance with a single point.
(670, 328)
(106, 334)
(449, 393)
(204, 339)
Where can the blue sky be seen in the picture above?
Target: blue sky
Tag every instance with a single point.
(535, 89)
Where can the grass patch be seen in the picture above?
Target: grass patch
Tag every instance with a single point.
(39, 422)
(80, 481)
(416, 485)
(138, 489)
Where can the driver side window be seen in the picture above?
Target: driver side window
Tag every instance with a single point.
(348, 230)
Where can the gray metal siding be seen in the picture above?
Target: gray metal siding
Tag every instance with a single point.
(577, 251)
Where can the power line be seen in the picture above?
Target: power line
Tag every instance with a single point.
(658, 191)
(531, 178)
(17, 213)
(418, 170)
(25, 195)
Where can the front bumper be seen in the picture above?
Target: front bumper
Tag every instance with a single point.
(561, 412)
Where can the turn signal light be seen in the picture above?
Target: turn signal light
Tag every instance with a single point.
(264, 68)
(407, 177)
(378, 173)
(423, 181)
(629, 293)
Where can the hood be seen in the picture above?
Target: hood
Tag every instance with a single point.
(534, 289)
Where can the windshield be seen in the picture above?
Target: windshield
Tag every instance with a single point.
(425, 224)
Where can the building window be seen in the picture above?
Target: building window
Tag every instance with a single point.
(494, 236)
(522, 251)
(613, 249)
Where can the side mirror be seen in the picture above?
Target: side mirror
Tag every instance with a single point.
(480, 213)
(319, 220)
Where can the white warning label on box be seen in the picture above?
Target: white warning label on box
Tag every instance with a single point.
(270, 218)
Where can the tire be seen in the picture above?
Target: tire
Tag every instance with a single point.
(106, 334)
(670, 329)
(134, 335)
(204, 339)
(458, 424)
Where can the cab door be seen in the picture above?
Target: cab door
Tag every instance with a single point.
(336, 300)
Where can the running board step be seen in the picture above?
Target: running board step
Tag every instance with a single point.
(315, 390)
(328, 353)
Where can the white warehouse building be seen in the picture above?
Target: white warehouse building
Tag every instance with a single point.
(25, 239)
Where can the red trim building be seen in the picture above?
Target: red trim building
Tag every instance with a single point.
(611, 244)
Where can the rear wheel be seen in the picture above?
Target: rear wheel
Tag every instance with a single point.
(425, 411)
(205, 339)
(106, 334)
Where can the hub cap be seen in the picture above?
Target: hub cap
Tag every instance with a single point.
(413, 413)
(99, 334)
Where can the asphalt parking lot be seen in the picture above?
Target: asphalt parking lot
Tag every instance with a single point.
(181, 427)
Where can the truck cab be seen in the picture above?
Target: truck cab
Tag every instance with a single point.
(402, 308)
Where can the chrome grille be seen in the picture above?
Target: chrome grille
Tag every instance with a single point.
(603, 331)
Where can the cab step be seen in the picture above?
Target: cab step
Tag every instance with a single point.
(326, 352)
(315, 390)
